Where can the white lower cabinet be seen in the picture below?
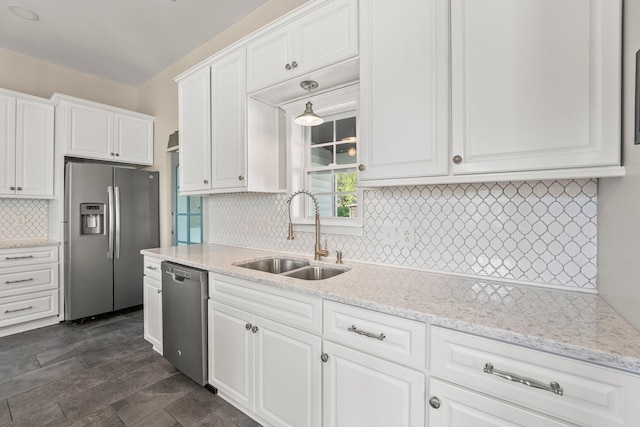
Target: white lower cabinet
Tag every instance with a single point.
(363, 390)
(272, 370)
(459, 407)
(29, 292)
(152, 302)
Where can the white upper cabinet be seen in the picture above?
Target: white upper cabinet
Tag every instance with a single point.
(26, 145)
(403, 90)
(228, 116)
(194, 108)
(535, 84)
(97, 131)
(534, 90)
(320, 38)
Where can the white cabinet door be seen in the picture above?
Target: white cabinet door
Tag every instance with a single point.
(326, 36)
(90, 132)
(459, 407)
(269, 59)
(404, 116)
(535, 84)
(7, 145)
(320, 38)
(153, 313)
(364, 391)
(231, 353)
(34, 149)
(133, 140)
(288, 375)
(194, 107)
(228, 118)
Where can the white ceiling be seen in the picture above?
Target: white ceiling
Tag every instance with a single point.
(125, 41)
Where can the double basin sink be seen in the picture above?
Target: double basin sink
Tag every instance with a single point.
(299, 269)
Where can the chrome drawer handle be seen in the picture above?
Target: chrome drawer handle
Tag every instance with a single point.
(30, 279)
(149, 267)
(18, 309)
(18, 257)
(553, 386)
(353, 328)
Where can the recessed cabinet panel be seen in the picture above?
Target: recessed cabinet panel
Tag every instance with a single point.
(535, 84)
(7, 144)
(404, 115)
(134, 139)
(228, 116)
(195, 131)
(91, 132)
(268, 57)
(34, 149)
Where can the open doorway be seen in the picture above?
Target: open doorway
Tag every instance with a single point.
(186, 211)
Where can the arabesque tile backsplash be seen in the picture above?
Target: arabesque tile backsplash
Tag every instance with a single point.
(541, 232)
(35, 214)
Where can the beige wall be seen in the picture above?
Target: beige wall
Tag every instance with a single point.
(34, 77)
(159, 96)
(619, 198)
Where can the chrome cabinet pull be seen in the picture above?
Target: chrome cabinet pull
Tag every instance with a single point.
(294, 64)
(287, 67)
(240, 177)
(205, 181)
(18, 309)
(159, 291)
(254, 329)
(30, 279)
(150, 267)
(18, 257)
(457, 159)
(553, 386)
(353, 328)
(12, 188)
(248, 326)
(361, 167)
(19, 188)
(324, 357)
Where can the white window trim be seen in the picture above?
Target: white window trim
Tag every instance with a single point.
(324, 104)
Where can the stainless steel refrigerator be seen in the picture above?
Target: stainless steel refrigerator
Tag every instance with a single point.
(111, 213)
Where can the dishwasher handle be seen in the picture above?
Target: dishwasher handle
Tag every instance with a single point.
(178, 275)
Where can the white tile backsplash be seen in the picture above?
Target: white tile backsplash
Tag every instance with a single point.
(541, 232)
(35, 215)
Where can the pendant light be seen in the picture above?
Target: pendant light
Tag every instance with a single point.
(309, 118)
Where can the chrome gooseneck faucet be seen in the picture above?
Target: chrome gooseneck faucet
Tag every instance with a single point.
(319, 252)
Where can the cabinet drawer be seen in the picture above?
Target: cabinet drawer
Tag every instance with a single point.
(24, 279)
(152, 268)
(395, 338)
(293, 309)
(28, 256)
(23, 308)
(591, 395)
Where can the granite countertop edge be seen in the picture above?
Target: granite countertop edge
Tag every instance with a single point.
(610, 359)
(27, 243)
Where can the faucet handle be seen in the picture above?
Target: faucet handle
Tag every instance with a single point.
(338, 257)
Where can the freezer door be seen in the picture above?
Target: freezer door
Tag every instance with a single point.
(137, 227)
(88, 269)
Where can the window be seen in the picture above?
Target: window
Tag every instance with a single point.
(324, 160)
(332, 165)
(188, 216)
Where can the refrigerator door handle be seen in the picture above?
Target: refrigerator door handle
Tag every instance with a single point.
(111, 221)
(116, 253)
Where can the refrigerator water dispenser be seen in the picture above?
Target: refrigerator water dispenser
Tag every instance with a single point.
(92, 218)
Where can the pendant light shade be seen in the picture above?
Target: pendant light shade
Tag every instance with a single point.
(309, 118)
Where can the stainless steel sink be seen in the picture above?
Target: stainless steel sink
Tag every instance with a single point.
(274, 265)
(313, 272)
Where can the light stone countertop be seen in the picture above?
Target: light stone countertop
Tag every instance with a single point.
(27, 243)
(574, 324)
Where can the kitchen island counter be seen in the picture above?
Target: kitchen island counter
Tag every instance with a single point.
(568, 323)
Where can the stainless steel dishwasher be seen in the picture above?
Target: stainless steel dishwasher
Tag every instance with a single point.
(184, 319)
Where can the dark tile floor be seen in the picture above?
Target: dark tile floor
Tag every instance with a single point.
(101, 373)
